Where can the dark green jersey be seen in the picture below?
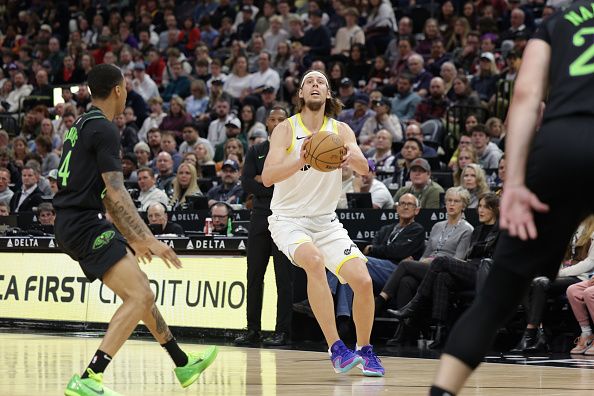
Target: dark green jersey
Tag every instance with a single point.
(570, 33)
(91, 147)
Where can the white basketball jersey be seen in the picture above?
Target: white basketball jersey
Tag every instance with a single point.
(308, 192)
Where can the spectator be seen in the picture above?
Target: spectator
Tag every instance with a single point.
(265, 76)
(176, 118)
(129, 167)
(166, 174)
(487, 152)
(475, 181)
(264, 20)
(46, 214)
(197, 103)
(411, 150)
(382, 157)
(43, 87)
(466, 155)
(380, 195)
(400, 55)
(275, 35)
(466, 57)
(170, 30)
(217, 129)
(421, 77)
(405, 101)
(4, 209)
(248, 121)
(47, 130)
(220, 213)
(238, 82)
(52, 178)
(169, 145)
(358, 115)
(447, 273)
(245, 29)
(143, 84)
(179, 84)
(30, 195)
(437, 58)
(430, 34)
(204, 154)
(189, 37)
(268, 96)
(382, 120)
(154, 119)
(43, 147)
(136, 102)
(316, 41)
(149, 193)
(142, 151)
(349, 34)
(5, 192)
(128, 134)
(413, 130)
(422, 187)
(448, 73)
(463, 95)
(380, 27)
(485, 80)
(185, 185)
(21, 90)
(191, 137)
(232, 149)
(69, 73)
(159, 222)
(156, 66)
(230, 189)
(434, 106)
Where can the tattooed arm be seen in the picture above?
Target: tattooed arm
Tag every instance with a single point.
(118, 203)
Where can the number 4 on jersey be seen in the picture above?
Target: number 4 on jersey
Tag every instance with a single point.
(580, 66)
(64, 171)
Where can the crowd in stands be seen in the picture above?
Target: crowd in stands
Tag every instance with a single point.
(425, 87)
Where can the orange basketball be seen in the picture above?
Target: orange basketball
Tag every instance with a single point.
(324, 151)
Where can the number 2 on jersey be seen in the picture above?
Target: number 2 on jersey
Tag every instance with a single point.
(64, 170)
(580, 66)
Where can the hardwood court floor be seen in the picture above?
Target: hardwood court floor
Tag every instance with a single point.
(32, 364)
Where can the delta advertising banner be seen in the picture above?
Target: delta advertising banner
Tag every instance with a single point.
(208, 292)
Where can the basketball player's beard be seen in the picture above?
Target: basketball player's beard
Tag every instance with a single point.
(314, 106)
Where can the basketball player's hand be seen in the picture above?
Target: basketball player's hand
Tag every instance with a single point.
(346, 160)
(303, 153)
(517, 205)
(145, 249)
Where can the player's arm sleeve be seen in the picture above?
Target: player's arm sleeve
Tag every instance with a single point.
(106, 141)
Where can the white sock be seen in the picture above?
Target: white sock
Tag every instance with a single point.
(586, 331)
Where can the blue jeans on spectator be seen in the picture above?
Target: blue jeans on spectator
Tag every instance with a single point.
(379, 271)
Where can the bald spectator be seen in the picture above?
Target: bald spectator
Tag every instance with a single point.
(149, 193)
(43, 88)
(159, 221)
(165, 169)
(517, 24)
(435, 105)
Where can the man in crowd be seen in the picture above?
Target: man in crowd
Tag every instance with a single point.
(434, 106)
(166, 174)
(356, 117)
(487, 152)
(30, 195)
(149, 193)
(422, 187)
(220, 213)
(380, 195)
(413, 130)
(230, 190)
(46, 214)
(158, 221)
(5, 192)
(216, 129)
(405, 101)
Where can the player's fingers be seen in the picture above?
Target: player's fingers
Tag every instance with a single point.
(531, 228)
(537, 205)
(522, 233)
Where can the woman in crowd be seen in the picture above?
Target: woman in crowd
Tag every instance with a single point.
(485, 80)
(154, 119)
(238, 81)
(203, 154)
(197, 103)
(185, 185)
(576, 267)
(380, 27)
(357, 67)
(337, 73)
(176, 118)
(282, 58)
(47, 129)
(463, 93)
(449, 238)
(465, 139)
(232, 149)
(467, 155)
(447, 273)
(475, 181)
(430, 32)
(248, 120)
(20, 151)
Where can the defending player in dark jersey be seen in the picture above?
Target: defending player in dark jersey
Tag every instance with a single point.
(539, 214)
(90, 181)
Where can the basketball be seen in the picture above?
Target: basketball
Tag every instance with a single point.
(324, 151)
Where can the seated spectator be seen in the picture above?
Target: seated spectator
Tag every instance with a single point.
(166, 173)
(380, 195)
(430, 34)
(349, 34)
(449, 238)
(143, 84)
(467, 155)
(446, 274)
(233, 131)
(501, 176)
(268, 101)
(410, 151)
(47, 130)
(217, 128)
(4, 209)
(345, 86)
(358, 115)
(275, 34)
(435, 105)
(230, 189)
(437, 57)
(20, 151)
(46, 214)
(463, 93)
(576, 267)
(220, 213)
(405, 101)
(317, 39)
(142, 151)
(179, 84)
(382, 120)
(381, 155)
(129, 166)
(421, 77)
(128, 133)
(413, 130)
(185, 185)
(197, 103)
(20, 90)
(487, 152)
(52, 178)
(43, 87)
(448, 73)
(154, 119)
(248, 121)
(191, 138)
(204, 154)
(176, 118)
(485, 80)
(475, 181)
(149, 193)
(159, 222)
(265, 76)
(169, 145)
(30, 195)
(238, 82)
(154, 142)
(69, 73)
(422, 187)
(135, 101)
(5, 192)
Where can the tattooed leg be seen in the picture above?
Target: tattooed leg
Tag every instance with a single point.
(156, 324)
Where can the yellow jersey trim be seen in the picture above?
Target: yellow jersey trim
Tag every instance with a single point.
(300, 121)
(347, 258)
(293, 138)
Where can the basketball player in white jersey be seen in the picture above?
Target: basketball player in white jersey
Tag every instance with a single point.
(305, 227)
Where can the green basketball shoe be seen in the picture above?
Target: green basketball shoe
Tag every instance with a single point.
(91, 386)
(197, 363)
